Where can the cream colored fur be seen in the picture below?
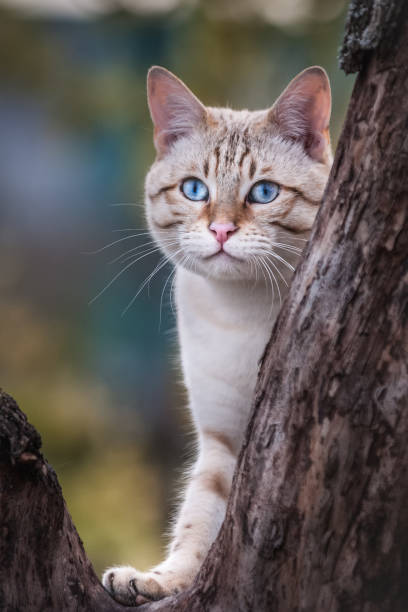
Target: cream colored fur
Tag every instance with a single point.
(227, 301)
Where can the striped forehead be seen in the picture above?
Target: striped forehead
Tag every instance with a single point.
(230, 156)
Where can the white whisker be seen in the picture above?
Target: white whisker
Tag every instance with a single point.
(159, 266)
(277, 270)
(263, 268)
(286, 247)
(147, 280)
(254, 264)
(127, 204)
(148, 251)
(273, 279)
(131, 229)
(140, 246)
(279, 258)
(287, 236)
(171, 292)
(173, 271)
(111, 244)
(138, 258)
(169, 242)
(112, 281)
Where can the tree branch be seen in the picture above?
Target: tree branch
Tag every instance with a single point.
(43, 565)
(318, 516)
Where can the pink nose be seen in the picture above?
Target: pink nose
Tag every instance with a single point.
(222, 231)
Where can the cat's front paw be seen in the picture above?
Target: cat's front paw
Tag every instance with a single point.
(132, 588)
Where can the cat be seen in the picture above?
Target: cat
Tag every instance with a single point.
(230, 199)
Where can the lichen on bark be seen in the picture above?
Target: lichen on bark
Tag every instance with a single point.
(369, 23)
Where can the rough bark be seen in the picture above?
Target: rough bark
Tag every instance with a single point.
(43, 565)
(371, 25)
(318, 516)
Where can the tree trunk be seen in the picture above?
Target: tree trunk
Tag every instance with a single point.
(43, 565)
(318, 516)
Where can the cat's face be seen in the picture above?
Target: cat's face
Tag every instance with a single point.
(233, 194)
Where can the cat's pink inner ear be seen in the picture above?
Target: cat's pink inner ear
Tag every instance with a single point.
(175, 110)
(302, 112)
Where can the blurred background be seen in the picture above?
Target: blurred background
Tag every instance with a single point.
(103, 385)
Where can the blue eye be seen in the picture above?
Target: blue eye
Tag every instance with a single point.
(194, 189)
(263, 192)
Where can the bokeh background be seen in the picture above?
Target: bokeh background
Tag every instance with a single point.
(103, 387)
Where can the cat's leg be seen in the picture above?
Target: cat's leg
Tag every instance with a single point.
(200, 517)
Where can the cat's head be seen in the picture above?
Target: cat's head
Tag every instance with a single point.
(232, 194)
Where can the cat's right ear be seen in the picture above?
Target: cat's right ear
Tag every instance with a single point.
(174, 109)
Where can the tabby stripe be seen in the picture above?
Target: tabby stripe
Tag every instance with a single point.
(166, 225)
(217, 158)
(232, 148)
(287, 227)
(214, 482)
(252, 169)
(300, 194)
(152, 196)
(222, 439)
(243, 156)
(206, 168)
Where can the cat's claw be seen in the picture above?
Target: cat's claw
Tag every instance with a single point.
(133, 588)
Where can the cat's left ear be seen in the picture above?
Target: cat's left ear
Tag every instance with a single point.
(175, 110)
(302, 112)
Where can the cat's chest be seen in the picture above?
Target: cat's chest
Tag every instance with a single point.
(223, 329)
